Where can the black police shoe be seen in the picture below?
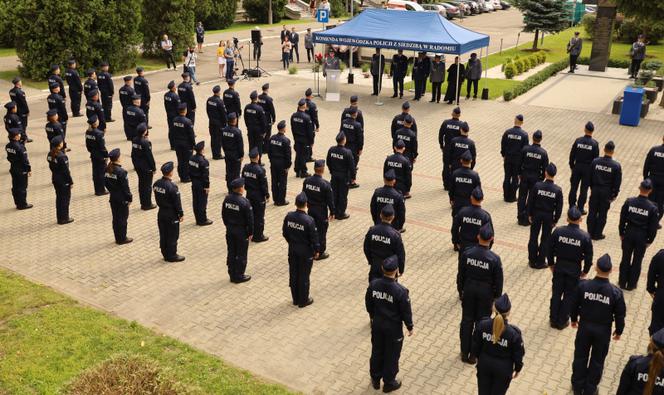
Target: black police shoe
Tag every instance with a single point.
(77, 115)
(393, 96)
(407, 195)
(305, 175)
(205, 223)
(322, 256)
(185, 181)
(110, 120)
(125, 241)
(343, 216)
(101, 193)
(284, 203)
(353, 185)
(307, 303)
(311, 160)
(375, 383)
(402, 230)
(389, 387)
(150, 207)
(176, 258)
(260, 239)
(600, 237)
(584, 212)
(26, 207)
(149, 127)
(66, 221)
(523, 223)
(29, 140)
(243, 279)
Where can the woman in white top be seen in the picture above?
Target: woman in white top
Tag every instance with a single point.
(190, 63)
(221, 59)
(285, 52)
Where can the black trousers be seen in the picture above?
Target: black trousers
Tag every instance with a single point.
(64, 133)
(525, 185)
(475, 84)
(340, 194)
(237, 246)
(590, 348)
(657, 196)
(511, 179)
(301, 156)
(120, 213)
(232, 170)
(168, 56)
(319, 214)
(634, 67)
(199, 200)
(633, 250)
(170, 133)
(563, 285)
(62, 199)
(446, 172)
(310, 54)
(598, 207)
(420, 87)
(257, 51)
(386, 344)
(19, 188)
(146, 110)
(299, 271)
(75, 97)
(256, 141)
(475, 305)
(459, 203)
(581, 174)
(397, 85)
(435, 91)
(295, 49)
(572, 62)
(540, 229)
(183, 154)
(107, 105)
(144, 187)
(169, 232)
(215, 141)
(657, 317)
(191, 115)
(24, 123)
(494, 375)
(258, 207)
(377, 83)
(98, 169)
(279, 180)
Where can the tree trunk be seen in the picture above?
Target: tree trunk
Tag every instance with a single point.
(661, 103)
(536, 38)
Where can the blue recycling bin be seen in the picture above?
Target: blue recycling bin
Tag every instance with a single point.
(630, 114)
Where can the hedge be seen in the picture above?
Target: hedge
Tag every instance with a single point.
(516, 66)
(257, 10)
(536, 79)
(617, 63)
(175, 18)
(7, 26)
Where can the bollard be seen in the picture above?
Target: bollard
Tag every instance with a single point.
(500, 51)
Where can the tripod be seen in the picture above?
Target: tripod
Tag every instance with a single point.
(258, 67)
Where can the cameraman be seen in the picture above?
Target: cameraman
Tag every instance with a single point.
(190, 64)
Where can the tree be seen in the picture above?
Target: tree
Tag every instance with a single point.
(257, 10)
(543, 15)
(173, 17)
(116, 34)
(642, 9)
(216, 14)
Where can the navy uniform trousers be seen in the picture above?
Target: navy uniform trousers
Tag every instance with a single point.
(169, 232)
(19, 188)
(145, 187)
(494, 375)
(540, 228)
(581, 174)
(299, 270)
(525, 186)
(98, 170)
(120, 213)
(598, 207)
(340, 194)
(657, 318)
(563, 285)
(62, 199)
(279, 179)
(199, 200)
(318, 213)
(633, 249)
(386, 344)
(592, 340)
(258, 207)
(511, 180)
(237, 245)
(475, 305)
(232, 170)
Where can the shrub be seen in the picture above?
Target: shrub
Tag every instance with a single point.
(617, 63)
(257, 10)
(588, 24)
(337, 8)
(175, 18)
(543, 57)
(519, 66)
(526, 64)
(116, 32)
(508, 95)
(365, 67)
(533, 61)
(652, 65)
(216, 14)
(507, 60)
(510, 71)
(535, 79)
(631, 28)
(292, 69)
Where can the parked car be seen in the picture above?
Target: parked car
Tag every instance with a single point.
(435, 8)
(464, 9)
(452, 11)
(486, 5)
(404, 5)
(474, 6)
(591, 9)
(496, 4)
(505, 5)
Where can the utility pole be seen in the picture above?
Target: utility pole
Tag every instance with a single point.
(269, 12)
(351, 77)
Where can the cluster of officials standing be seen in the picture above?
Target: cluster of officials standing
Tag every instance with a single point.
(594, 306)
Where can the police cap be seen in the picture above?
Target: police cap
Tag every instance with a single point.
(55, 67)
(465, 127)
(16, 80)
(199, 146)
(185, 75)
(135, 97)
(537, 135)
(551, 169)
(216, 89)
(486, 232)
(467, 156)
(590, 126)
(610, 146)
(408, 119)
(92, 119)
(265, 86)
(301, 199)
(390, 175)
(646, 184)
(167, 167)
(14, 131)
(139, 69)
(573, 213)
(658, 338)
(400, 144)
(55, 141)
(387, 211)
(53, 85)
(253, 95)
(301, 103)
(51, 112)
(604, 263)
(114, 154)
(477, 193)
(141, 128)
(281, 125)
(519, 117)
(405, 105)
(93, 92)
(503, 304)
(253, 153)
(127, 78)
(171, 84)
(230, 82)
(89, 72)
(340, 137)
(71, 61)
(182, 106)
(103, 64)
(237, 183)
(353, 99)
(457, 110)
(308, 92)
(352, 110)
(10, 105)
(390, 264)
(232, 116)
(319, 163)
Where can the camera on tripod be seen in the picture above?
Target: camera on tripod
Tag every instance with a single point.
(235, 41)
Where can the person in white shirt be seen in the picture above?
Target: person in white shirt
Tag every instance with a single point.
(190, 64)
(167, 49)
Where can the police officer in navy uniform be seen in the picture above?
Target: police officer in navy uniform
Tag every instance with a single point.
(144, 164)
(568, 247)
(469, 220)
(458, 146)
(55, 78)
(12, 120)
(397, 121)
(75, 87)
(596, 305)
(17, 95)
(299, 230)
(637, 228)
(186, 94)
(233, 145)
(53, 127)
(279, 152)
(544, 208)
(94, 107)
(653, 168)
(303, 134)
(184, 140)
(57, 102)
(256, 123)
(312, 110)
(533, 163)
(126, 92)
(583, 151)
(479, 282)
(449, 129)
(258, 193)
(170, 215)
(346, 113)
(402, 167)
(409, 138)
(90, 83)
(383, 241)
(265, 101)
(320, 199)
(238, 218)
(199, 171)
(354, 133)
(171, 104)
(388, 194)
(606, 177)
(498, 348)
(398, 72)
(218, 119)
(96, 146)
(19, 169)
(342, 168)
(232, 99)
(142, 88)
(107, 90)
(655, 288)
(462, 183)
(120, 196)
(644, 374)
(388, 305)
(513, 141)
(61, 179)
(133, 116)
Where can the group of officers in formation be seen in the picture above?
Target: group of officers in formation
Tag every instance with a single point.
(596, 307)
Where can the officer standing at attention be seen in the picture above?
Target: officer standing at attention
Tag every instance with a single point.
(118, 185)
(498, 348)
(171, 104)
(449, 129)
(143, 160)
(279, 152)
(142, 88)
(96, 145)
(94, 107)
(403, 169)
(320, 198)
(643, 374)
(258, 193)
(377, 70)
(342, 168)
(233, 145)
(385, 195)
(312, 110)
(463, 181)
(655, 288)
(265, 101)
(606, 177)
(186, 94)
(469, 220)
(55, 78)
(256, 122)
(421, 70)
(398, 72)
(397, 121)
(53, 127)
(458, 146)
(18, 96)
(479, 282)
(653, 168)
(75, 87)
(544, 208)
(107, 90)
(409, 138)
(383, 241)
(199, 171)
(533, 163)
(299, 230)
(596, 305)
(346, 113)
(637, 228)
(170, 215)
(57, 102)
(354, 139)
(238, 218)
(303, 134)
(568, 247)
(184, 139)
(11, 119)
(90, 83)
(133, 116)
(19, 168)
(218, 119)
(232, 99)
(513, 141)
(388, 305)
(583, 151)
(61, 179)
(126, 92)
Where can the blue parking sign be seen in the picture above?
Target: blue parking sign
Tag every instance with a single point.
(323, 16)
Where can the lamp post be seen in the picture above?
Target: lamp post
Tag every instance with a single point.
(351, 77)
(269, 12)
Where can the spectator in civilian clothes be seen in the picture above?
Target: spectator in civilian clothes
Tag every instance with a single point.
(295, 42)
(473, 74)
(437, 77)
(200, 36)
(309, 44)
(285, 51)
(190, 64)
(167, 49)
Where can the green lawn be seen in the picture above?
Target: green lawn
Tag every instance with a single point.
(46, 339)
(248, 26)
(7, 52)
